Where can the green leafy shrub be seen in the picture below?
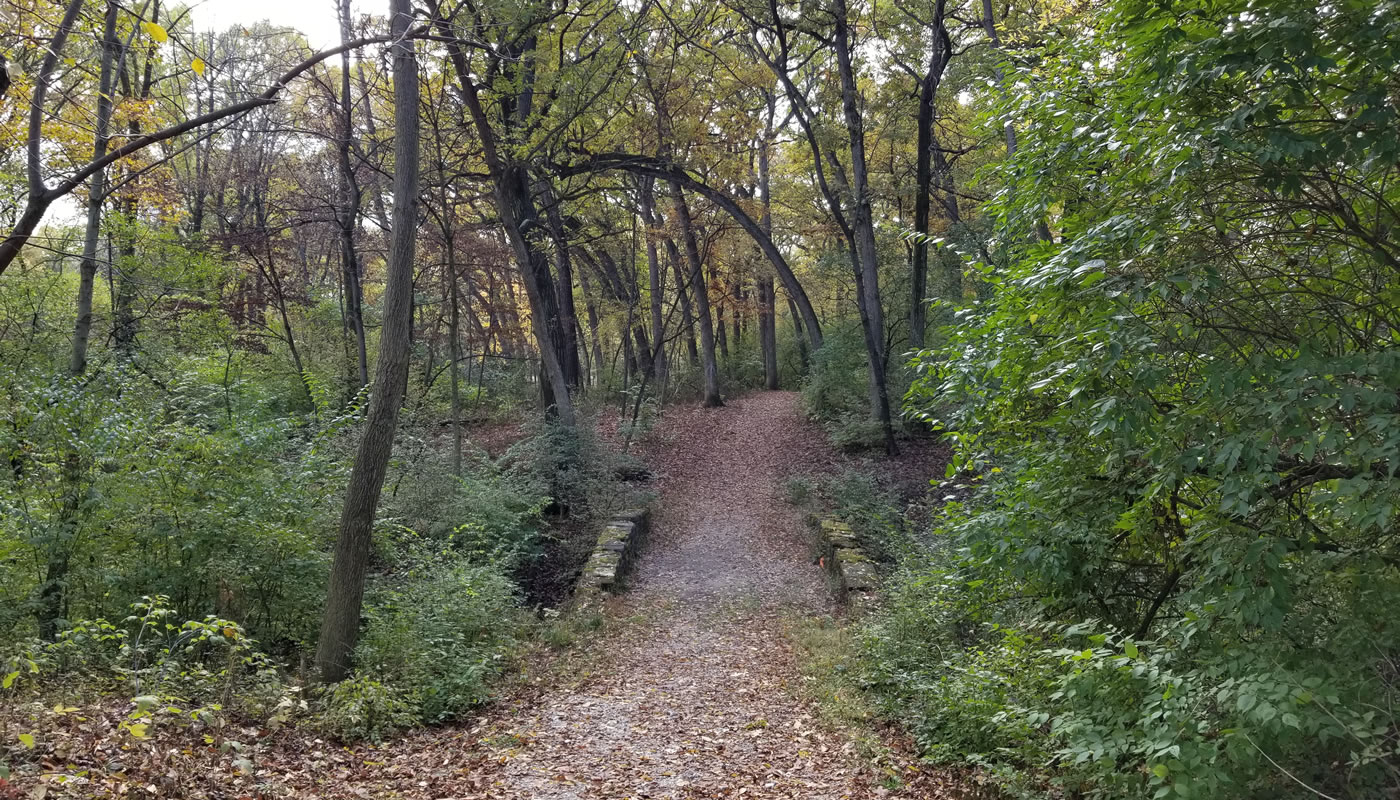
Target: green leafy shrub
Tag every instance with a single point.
(195, 670)
(361, 707)
(1180, 419)
(438, 633)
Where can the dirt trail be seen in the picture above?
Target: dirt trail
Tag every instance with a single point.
(698, 700)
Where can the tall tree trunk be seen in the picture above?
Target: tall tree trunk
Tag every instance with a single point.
(767, 297)
(511, 190)
(564, 289)
(867, 272)
(349, 211)
(927, 151)
(710, 370)
(340, 627)
(97, 187)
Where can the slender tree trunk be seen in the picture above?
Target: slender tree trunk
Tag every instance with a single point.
(340, 627)
(673, 254)
(863, 227)
(767, 297)
(594, 325)
(454, 324)
(710, 384)
(349, 211)
(656, 288)
(97, 187)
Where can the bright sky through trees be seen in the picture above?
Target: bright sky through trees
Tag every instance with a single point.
(314, 18)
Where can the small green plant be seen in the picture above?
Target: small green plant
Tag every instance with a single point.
(362, 707)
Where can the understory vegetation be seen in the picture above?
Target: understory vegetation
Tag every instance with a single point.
(1168, 552)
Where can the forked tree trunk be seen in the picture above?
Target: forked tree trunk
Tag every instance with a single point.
(340, 627)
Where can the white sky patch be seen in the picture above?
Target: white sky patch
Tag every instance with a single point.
(314, 18)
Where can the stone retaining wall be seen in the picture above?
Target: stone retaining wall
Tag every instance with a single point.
(617, 548)
(839, 551)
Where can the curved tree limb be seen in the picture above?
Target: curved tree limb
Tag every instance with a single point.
(661, 169)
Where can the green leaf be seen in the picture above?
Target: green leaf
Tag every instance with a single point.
(27, 739)
(1130, 649)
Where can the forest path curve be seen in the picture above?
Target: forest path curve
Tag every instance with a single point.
(699, 697)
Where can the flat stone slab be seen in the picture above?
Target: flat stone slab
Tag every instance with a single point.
(617, 547)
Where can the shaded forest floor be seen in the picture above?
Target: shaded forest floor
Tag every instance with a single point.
(693, 690)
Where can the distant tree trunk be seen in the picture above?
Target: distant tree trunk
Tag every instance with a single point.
(710, 383)
(594, 337)
(673, 254)
(767, 298)
(349, 211)
(656, 288)
(97, 187)
(721, 336)
(340, 627)
(454, 326)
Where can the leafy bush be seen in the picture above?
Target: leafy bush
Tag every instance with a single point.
(438, 633)
(149, 655)
(361, 707)
(1182, 419)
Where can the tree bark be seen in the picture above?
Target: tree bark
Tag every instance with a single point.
(348, 214)
(701, 297)
(97, 187)
(867, 271)
(341, 625)
(767, 297)
(656, 287)
(926, 146)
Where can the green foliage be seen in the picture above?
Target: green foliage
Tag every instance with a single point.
(437, 634)
(150, 654)
(361, 707)
(1179, 419)
(836, 390)
(175, 499)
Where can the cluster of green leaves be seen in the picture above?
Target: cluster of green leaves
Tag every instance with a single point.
(1180, 413)
(438, 633)
(180, 493)
(208, 665)
(836, 389)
